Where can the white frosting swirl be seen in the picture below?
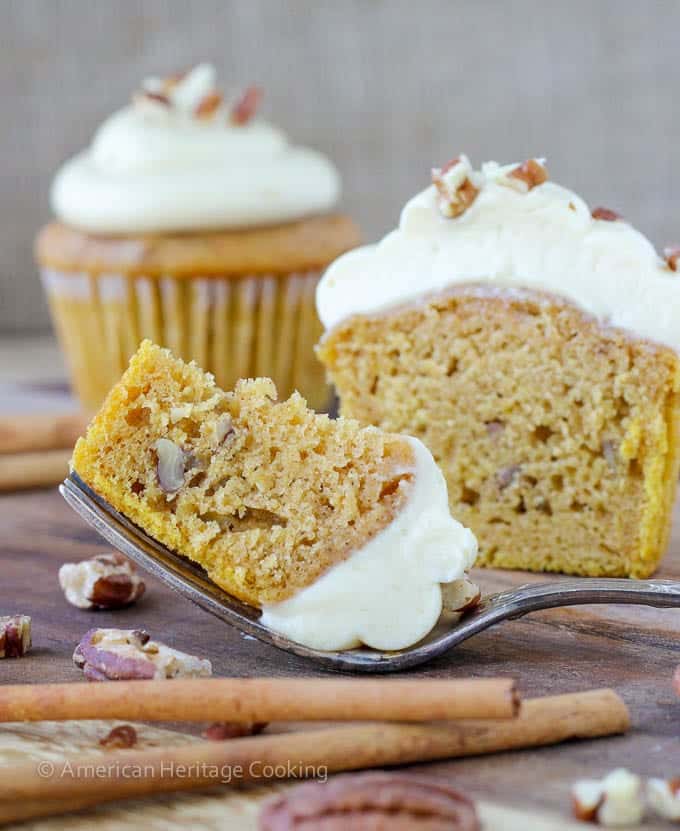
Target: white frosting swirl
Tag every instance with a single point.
(545, 239)
(388, 594)
(152, 167)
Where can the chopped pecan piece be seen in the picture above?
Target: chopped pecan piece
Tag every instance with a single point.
(245, 107)
(457, 185)
(121, 737)
(208, 105)
(128, 654)
(106, 581)
(368, 801)
(605, 214)
(614, 800)
(526, 176)
(219, 731)
(157, 99)
(15, 636)
(461, 596)
(663, 796)
(672, 256)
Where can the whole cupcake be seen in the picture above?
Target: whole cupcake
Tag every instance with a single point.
(193, 223)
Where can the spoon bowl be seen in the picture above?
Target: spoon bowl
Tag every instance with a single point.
(190, 580)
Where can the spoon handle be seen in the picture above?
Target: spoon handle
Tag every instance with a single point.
(535, 596)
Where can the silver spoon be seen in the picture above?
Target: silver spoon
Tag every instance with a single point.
(190, 580)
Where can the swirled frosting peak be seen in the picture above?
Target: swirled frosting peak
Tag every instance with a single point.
(509, 227)
(183, 157)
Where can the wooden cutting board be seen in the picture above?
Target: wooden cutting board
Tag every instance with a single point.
(632, 649)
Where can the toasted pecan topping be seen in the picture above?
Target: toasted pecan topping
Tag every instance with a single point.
(208, 105)
(455, 186)
(672, 256)
(245, 107)
(605, 214)
(530, 174)
(155, 97)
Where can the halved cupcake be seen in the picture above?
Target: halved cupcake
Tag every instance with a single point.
(533, 346)
(191, 222)
(340, 533)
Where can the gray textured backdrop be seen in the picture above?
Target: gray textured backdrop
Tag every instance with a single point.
(386, 87)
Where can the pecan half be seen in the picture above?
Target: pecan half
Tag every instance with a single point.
(672, 256)
(220, 731)
(121, 737)
(457, 186)
(371, 801)
(605, 214)
(106, 581)
(128, 654)
(245, 106)
(15, 636)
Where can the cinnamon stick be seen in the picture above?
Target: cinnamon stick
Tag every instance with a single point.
(19, 471)
(49, 431)
(79, 782)
(264, 699)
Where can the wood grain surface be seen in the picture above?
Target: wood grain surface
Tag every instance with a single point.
(632, 649)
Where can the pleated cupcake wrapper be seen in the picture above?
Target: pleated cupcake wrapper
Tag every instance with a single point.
(234, 327)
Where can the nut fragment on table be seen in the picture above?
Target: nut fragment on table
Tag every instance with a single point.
(222, 730)
(616, 800)
(106, 581)
(128, 654)
(15, 636)
(663, 797)
(120, 738)
(369, 801)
